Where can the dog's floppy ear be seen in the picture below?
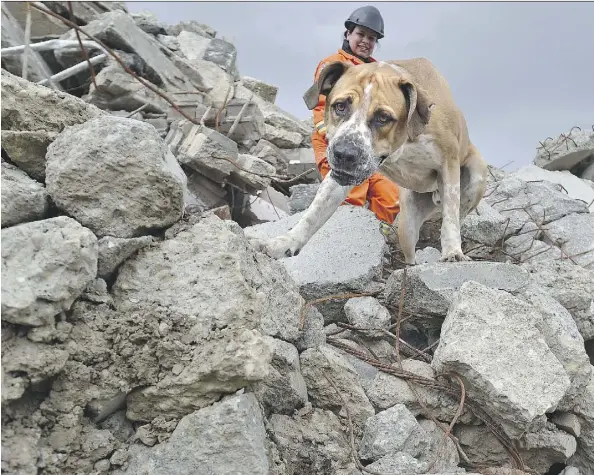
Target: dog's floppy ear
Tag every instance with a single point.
(326, 81)
(419, 108)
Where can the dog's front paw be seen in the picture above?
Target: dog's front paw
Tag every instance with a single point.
(453, 256)
(278, 247)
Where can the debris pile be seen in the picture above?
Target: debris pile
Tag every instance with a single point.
(140, 337)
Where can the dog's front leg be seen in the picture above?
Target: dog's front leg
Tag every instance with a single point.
(449, 189)
(327, 200)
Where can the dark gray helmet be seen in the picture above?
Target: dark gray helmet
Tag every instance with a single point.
(369, 17)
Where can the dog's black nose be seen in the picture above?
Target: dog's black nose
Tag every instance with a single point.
(346, 154)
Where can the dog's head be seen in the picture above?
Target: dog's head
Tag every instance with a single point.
(371, 110)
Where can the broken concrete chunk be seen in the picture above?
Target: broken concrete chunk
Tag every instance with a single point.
(430, 288)
(302, 196)
(489, 338)
(536, 202)
(34, 362)
(312, 442)
(270, 153)
(35, 289)
(193, 27)
(227, 437)
(23, 199)
(118, 30)
(113, 251)
(566, 151)
(323, 362)
(29, 107)
(98, 172)
(282, 138)
(483, 226)
(568, 422)
(572, 286)
(584, 409)
(266, 91)
(572, 185)
(284, 390)
(545, 448)
(116, 89)
(391, 431)
(222, 53)
(261, 176)
(367, 312)
(192, 45)
(149, 23)
(27, 150)
(333, 262)
(208, 152)
(575, 235)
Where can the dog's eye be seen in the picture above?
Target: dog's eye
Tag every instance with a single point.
(340, 107)
(383, 118)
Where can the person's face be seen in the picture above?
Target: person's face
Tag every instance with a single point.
(362, 41)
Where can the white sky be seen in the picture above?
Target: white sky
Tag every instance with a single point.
(520, 71)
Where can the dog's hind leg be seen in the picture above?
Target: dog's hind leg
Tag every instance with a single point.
(473, 181)
(327, 200)
(415, 209)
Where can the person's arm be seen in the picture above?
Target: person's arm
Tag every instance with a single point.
(318, 137)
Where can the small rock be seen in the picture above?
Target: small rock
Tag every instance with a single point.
(391, 431)
(489, 338)
(27, 150)
(103, 182)
(324, 361)
(113, 251)
(398, 463)
(567, 422)
(484, 225)
(428, 255)
(543, 449)
(23, 199)
(332, 262)
(566, 151)
(430, 288)
(266, 91)
(367, 312)
(102, 465)
(282, 138)
(36, 289)
(227, 437)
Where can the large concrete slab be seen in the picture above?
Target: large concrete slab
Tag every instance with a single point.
(344, 255)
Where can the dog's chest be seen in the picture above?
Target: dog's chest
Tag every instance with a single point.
(415, 165)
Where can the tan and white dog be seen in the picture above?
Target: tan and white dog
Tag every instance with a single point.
(398, 118)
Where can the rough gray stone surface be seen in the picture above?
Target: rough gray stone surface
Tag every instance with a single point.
(428, 255)
(367, 312)
(266, 91)
(282, 138)
(262, 171)
(572, 286)
(564, 340)
(25, 363)
(332, 261)
(563, 153)
(227, 437)
(398, 463)
(118, 30)
(208, 152)
(430, 288)
(522, 202)
(391, 431)
(324, 360)
(284, 390)
(45, 266)
(116, 176)
(23, 199)
(210, 275)
(543, 449)
(575, 234)
(29, 107)
(222, 53)
(584, 409)
(484, 225)
(313, 442)
(27, 149)
(489, 338)
(113, 251)
(301, 197)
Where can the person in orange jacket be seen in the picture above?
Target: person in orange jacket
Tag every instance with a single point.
(363, 28)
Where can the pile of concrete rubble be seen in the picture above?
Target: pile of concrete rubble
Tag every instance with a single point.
(141, 334)
(235, 120)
